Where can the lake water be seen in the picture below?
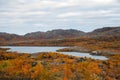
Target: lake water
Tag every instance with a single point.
(33, 49)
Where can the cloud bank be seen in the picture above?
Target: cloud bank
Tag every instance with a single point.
(22, 16)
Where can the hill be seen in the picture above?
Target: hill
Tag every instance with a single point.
(106, 31)
(56, 34)
(10, 37)
(38, 38)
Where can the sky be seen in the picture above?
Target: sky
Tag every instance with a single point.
(23, 16)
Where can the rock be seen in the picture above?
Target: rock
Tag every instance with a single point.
(100, 66)
(80, 59)
(94, 52)
(34, 64)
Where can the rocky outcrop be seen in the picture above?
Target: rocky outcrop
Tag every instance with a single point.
(101, 52)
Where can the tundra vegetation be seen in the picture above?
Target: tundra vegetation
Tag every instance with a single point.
(56, 66)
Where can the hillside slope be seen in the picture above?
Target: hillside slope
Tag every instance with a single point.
(106, 31)
(56, 34)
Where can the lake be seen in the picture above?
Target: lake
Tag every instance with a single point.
(33, 49)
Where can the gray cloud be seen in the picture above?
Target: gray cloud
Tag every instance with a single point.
(46, 15)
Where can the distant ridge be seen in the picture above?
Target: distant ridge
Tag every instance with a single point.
(10, 37)
(56, 34)
(60, 34)
(106, 31)
(53, 34)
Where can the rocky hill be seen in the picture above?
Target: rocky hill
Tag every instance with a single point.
(106, 31)
(55, 34)
(61, 34)
(10, 37)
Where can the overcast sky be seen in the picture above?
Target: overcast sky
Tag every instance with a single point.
(23, 16)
